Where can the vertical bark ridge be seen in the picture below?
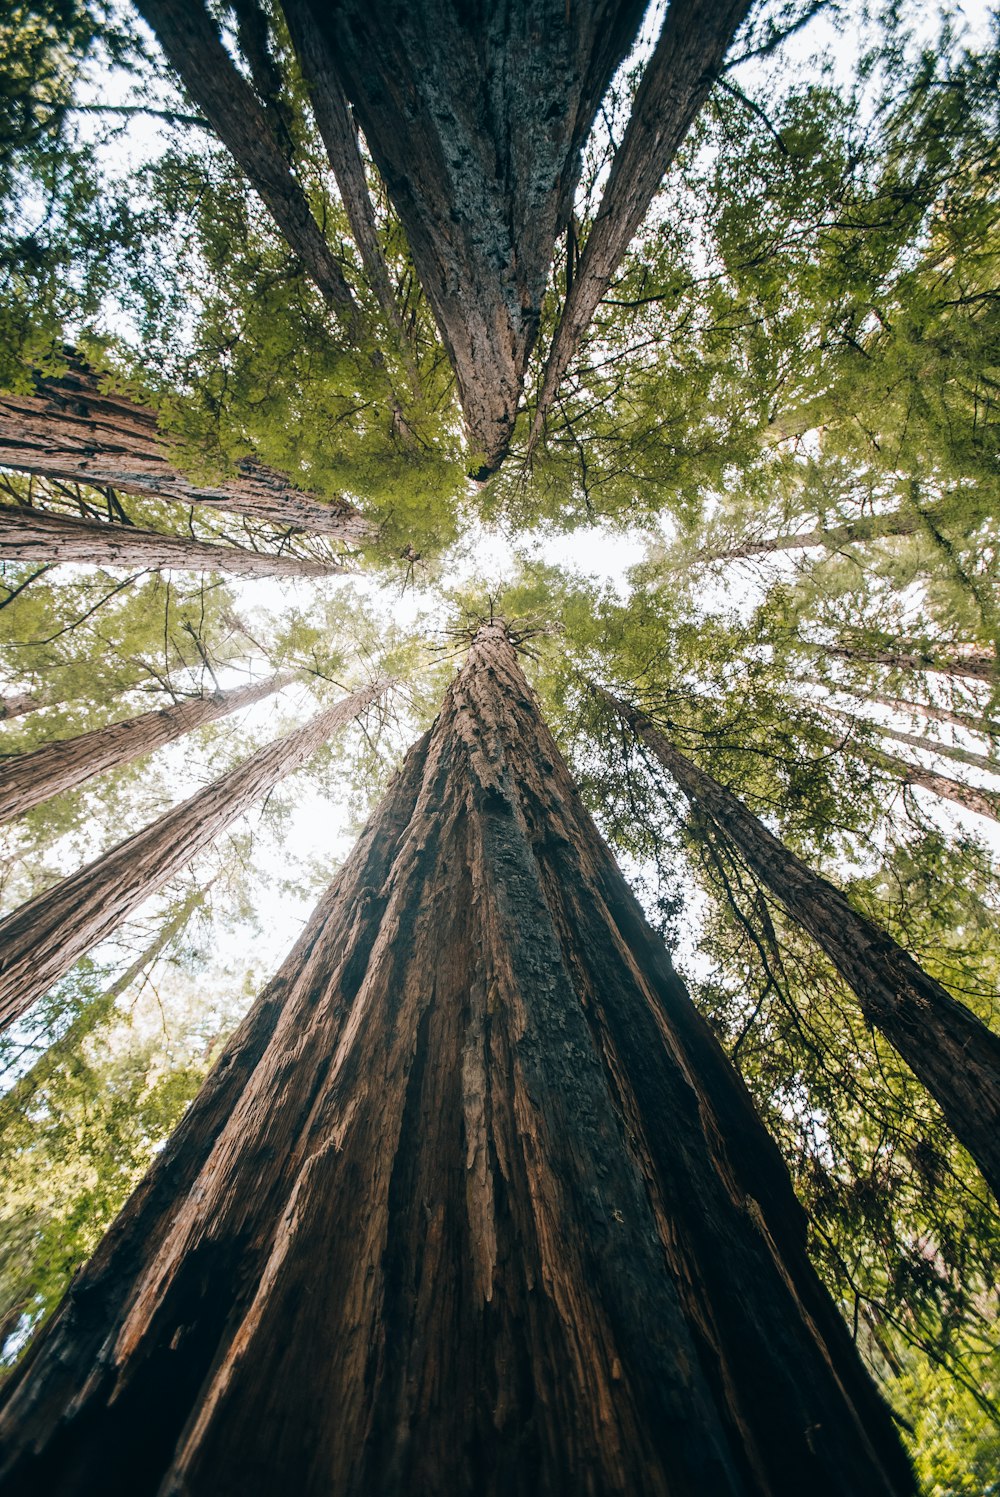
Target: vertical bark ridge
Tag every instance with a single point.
(674, 85)
(485, 1210)
(38, 535)
(952, 1052)
(73, 431)
(27, 780)
(41, 940)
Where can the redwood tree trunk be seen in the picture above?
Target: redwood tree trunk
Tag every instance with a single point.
(947, 1047)
(977, 663)
(473, 1203)
(475, 116)
(74, 431)
(39, 535)
(981, 725)
(191, 42)
(19, 704)
(29, 779)
(40, 941)
(864, 528)
(969, 797)
(676, 82)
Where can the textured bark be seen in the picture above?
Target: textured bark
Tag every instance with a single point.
(676, 82)
(45, 536)
(976, 663)
(865, 528)
(74, 431)
(192, 45)
(968, 720)
(473, 1204)
(19, 704)
(336, 128)
(475, 116)
(41, 940)
(950, 1050)
(29, 779)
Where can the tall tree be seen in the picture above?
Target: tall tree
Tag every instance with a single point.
(27, 780)
(40, 941)
(75, 429)
(48, 538)
(479, 1096)
(954, 1054)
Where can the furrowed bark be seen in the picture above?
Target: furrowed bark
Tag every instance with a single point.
(39, 535)
(474, 1204)
(192, 45)
(675, 84)
(29, 779)
(952, 1052)
(73, 431)
(336, 128)
(475, 118)
(40, 941)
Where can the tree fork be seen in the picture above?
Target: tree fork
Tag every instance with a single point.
(474, 1202)
(41, 940)
(27, 780)
(952, 1052)
(29, 534)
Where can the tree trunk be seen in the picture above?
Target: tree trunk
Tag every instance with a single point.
(974, 662)
(946, 750)
(40, 941)
(973, 724)
(865, 528)
(983, 802)
(333, 119)
(950, 1050)
(29, 779)
(476, 117)
(19, 704)
(192, 45)
(75, 432)
(676, 82)
(473, 1203)
(38, 535)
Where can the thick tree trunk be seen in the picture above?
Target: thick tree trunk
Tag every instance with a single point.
(473, 1204)
(865, 528)
(40, 941)
(75, 432)
(39, 535)
(192, 45)
(29, 779)
(333, 119)
(946, 1046)
(976, 663)
(676, 82)
(973, 724)
(476, 116)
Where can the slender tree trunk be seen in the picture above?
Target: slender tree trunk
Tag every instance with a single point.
(29, 779)
(19, 704)
(35, 535)
(475, 117)
(192, 45)
(40, 941)
(973, 724)
(969, 797)
(865, 528)
(75, 432)
(976, 663)
(947, 1047)
(676, 82)
(931, 746)
(473, 1204)
(333, 118)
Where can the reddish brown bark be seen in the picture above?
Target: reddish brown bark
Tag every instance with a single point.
(952, 1052)
(74, 431)
(50, 537)
(192, 45)
(29, 779)
(475, 117)
(40, 941)
(473, 1204)
(676, 82)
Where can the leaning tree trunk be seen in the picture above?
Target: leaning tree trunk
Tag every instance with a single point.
(946, 750)
(947, 1047)
(19, 704)
(968, 720)
(74, 431)
(39, 535)
(41, 940)
(969, 797)
(676, 82)
(853, 532)
(976, 663)
(27, 780)
(192, 45)
(476, 117)
(473, 1203)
